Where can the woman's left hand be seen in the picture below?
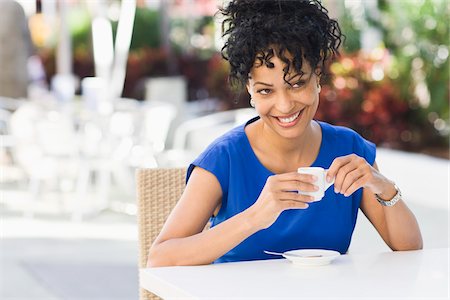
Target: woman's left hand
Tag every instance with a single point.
(352, 172)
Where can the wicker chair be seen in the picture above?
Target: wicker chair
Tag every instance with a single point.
(158, 190)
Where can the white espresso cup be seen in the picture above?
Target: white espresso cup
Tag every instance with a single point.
(321, 181)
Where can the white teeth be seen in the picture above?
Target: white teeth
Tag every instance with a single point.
(289, 120)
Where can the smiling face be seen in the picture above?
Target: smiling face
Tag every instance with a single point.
(286, 109)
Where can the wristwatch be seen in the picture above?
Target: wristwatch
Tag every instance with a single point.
(391, 202)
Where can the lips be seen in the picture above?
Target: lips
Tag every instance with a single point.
(290, 120)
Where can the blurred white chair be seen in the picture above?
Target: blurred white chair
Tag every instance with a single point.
(168, 89)
(11, 104)
(94, 167)
(10, 172)
(171, 90)
(106, 143)
(63, 87)
(56, 135)
(45, 146)
(197, 133)
(193, 136)
(133, 134)
(5, 117)
(157, 118)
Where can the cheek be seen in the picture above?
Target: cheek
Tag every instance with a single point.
(314, 92)
(314, 102)
(316, 98)
(309, 97)
(262, 109)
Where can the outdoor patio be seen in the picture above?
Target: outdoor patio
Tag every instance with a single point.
(57, 258)
(142, 84)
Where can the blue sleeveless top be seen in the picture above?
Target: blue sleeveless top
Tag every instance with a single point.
(326, 224)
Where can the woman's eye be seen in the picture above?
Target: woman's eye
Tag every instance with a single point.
(264, 91)
(298, 84)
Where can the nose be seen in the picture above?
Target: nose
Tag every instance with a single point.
(284, 103)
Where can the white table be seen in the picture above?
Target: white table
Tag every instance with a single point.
(422, 274)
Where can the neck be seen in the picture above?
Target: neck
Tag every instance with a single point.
(292, 149)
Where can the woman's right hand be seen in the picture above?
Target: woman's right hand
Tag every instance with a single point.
(279, 194)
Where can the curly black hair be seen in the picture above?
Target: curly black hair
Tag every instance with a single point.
(256, 30)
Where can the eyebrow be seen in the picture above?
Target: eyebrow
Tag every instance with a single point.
(263, 83)
(289, 79)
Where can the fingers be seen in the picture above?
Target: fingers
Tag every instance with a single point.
(295, 201)
(345, 176)
(349, 181)
(292, 196)
(349, 172)
(296, 177)
(289, 204)
(337, 164)
(292, 182)
(355, 186)
(292, 200)
(294, 185)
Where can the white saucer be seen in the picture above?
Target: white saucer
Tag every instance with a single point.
(311, 257)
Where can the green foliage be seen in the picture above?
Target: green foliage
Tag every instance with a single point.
(202, 28)
(417, 34)
(416, 37)
(80, 29)
(352, 42)
(146, 30)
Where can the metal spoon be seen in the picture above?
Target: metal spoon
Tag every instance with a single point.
(291, 254)
(273, 253)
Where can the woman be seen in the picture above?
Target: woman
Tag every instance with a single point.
(246, 178)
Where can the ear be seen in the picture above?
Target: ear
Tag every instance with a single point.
(249, 90)
(318, 73)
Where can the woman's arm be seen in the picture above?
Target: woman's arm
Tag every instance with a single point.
(182, 240)
(395, 224)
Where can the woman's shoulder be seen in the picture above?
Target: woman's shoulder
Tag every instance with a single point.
(339, 134)
(338, 130)
(342, 135)
(221, 154)
(227, 143)
(346, 140)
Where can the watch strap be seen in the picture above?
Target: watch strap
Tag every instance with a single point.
(394, 199)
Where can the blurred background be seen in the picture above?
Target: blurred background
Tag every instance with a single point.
(90, 90)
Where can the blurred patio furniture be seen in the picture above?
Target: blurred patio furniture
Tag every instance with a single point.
(9, 172)
(127, 139)
(63, 87)
(173, 90)
(158, 190)
(11, 104)
(193, 136)
(69, 147)
(5, 116)
(168, 89)
(156, 120)
(45, 146)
